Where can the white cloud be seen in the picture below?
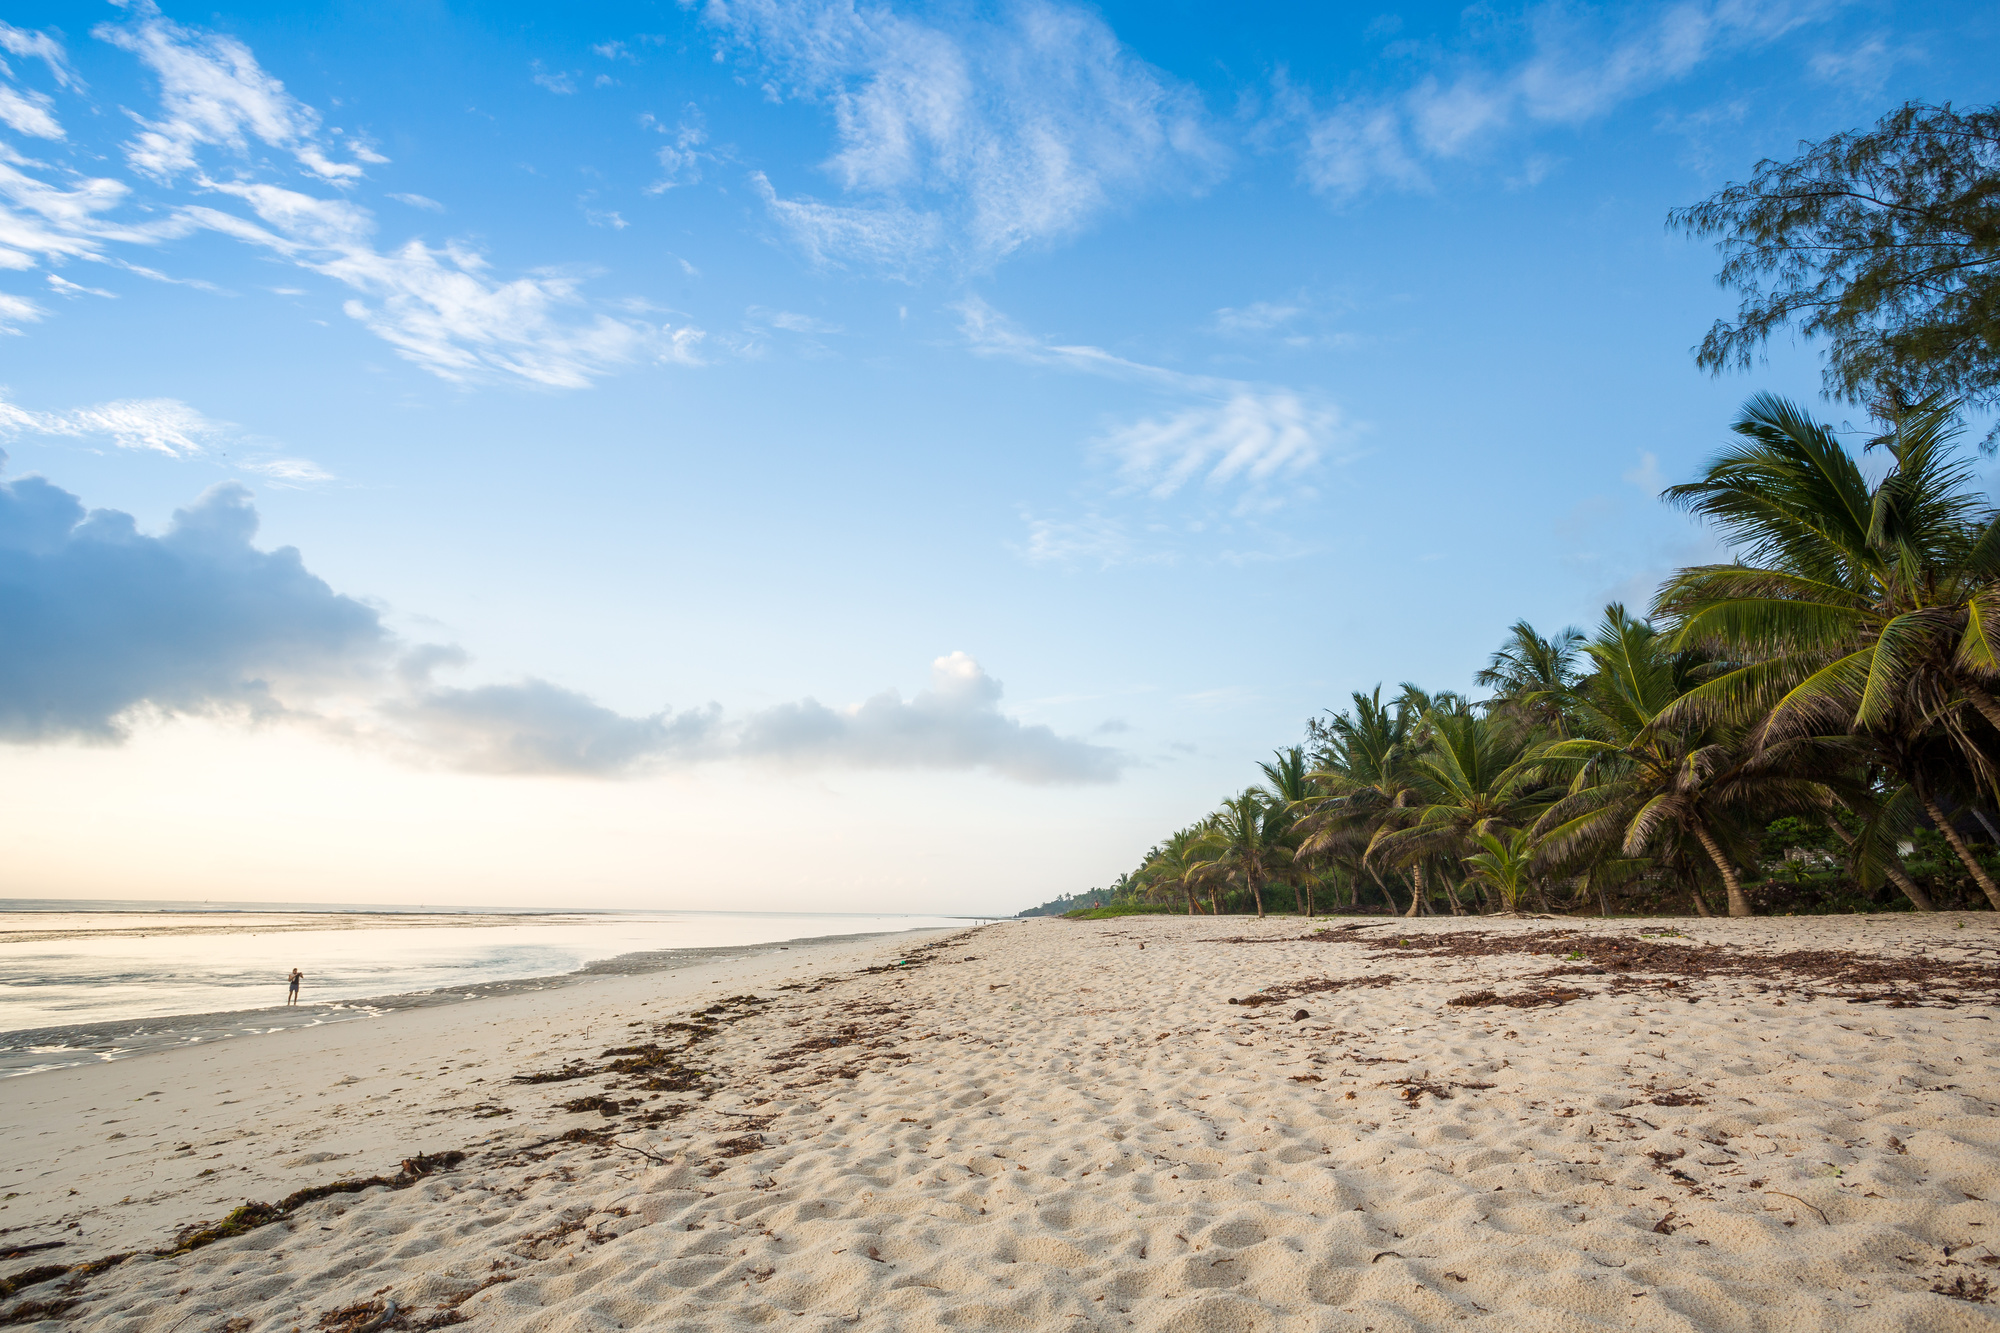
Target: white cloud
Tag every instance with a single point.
(437, 307)
(29, 113)
(1863, 68)
(954, 724)
(164, 425)
(1233, 432)
(213, 92)
(1580, 64)
(31, 45)
(1254, 438)
(556, 81)
(16, 311)
(62, 286)
(968, 136)
(1093, 539)
(681, 160)
(1257, 317)
(1646, 476)
(419, 201)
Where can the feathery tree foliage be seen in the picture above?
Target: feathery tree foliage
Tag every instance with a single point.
(1886, 242)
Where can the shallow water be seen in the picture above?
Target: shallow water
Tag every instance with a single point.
(87, 985)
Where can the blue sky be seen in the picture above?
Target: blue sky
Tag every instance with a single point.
(828, 455)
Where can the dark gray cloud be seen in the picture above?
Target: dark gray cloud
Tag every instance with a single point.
(101, 624)
(954, 724)
(98, 620)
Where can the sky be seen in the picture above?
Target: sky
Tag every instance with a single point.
(832, 456)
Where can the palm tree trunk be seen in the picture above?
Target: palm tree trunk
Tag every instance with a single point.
(1451, 896)
(1739, 902)
(1700, 903)
(1977, 871)
(1256, 892)
(1416, 889)
(1891, 867)
(1988, 706)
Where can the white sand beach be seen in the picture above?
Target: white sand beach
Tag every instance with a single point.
(1067, 1125)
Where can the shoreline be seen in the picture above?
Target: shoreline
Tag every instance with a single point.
(26, 1051)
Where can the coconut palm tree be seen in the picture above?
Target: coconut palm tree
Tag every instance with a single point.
(1477, 775)
(1289, 786)
(1362, 771)
(1643, 783)
(1172, 868)
(1505, 863)
(1871, 610)
(1246, 841)
(1533, 677)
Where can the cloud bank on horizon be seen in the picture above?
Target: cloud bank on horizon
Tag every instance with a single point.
(108, 626)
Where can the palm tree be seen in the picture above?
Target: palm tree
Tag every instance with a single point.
(1362, 770)
(1643, 782)
(1291, 790)
(1246, 838)
(1478, 775)
(1534, 677)
(1868, 610)
(1172, 868)
(1505, 865)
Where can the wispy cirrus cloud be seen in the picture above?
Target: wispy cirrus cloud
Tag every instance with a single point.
(160, 425)
(436, 306)
(441, 307)
(1222, 432)
(213, 93)
(1558, 64)
(963, 137)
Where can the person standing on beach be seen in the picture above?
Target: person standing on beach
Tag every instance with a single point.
(292, 995)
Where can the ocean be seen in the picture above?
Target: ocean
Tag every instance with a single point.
(88, 981)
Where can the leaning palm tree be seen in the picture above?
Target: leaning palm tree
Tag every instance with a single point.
(1644, 782)
(1870, 610)
(1247, 840)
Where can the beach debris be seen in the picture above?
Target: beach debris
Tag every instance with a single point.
(20, 1251)
(604, 1106)
(376, 1316)
(253, 1215)
(1300, 1016)
(31, 1312)
(1413, 1089)
(1965, 1287)
(1521, 1000)
(29, 1278)
(741, 1145)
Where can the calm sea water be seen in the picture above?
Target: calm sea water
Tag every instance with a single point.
(92, 981)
